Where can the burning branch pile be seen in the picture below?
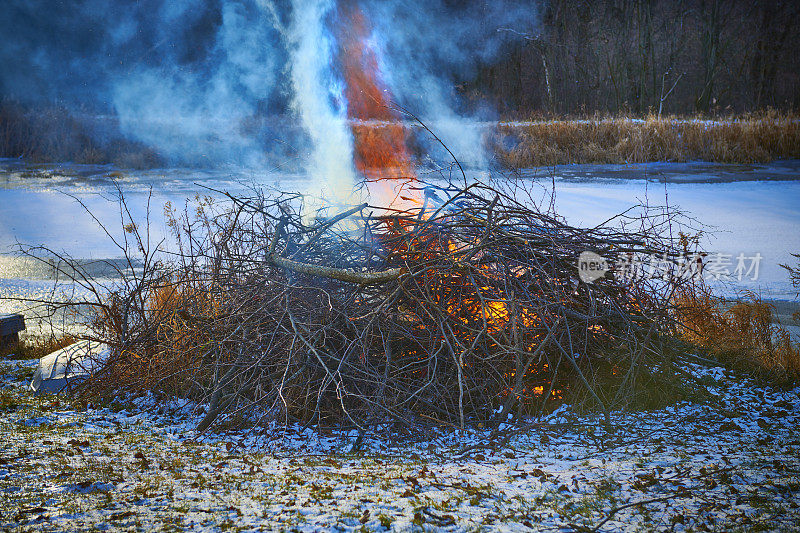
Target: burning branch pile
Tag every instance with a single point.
(464, 312)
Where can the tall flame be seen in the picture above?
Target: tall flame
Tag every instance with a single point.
(381, 152)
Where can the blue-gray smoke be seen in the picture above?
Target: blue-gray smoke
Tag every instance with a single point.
(429, 46)
(214, 82)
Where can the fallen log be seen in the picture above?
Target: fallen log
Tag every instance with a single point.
(340, 274)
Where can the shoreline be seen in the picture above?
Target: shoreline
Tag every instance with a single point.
(53, 134)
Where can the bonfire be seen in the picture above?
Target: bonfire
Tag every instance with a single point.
(447, 305)
(469, 310)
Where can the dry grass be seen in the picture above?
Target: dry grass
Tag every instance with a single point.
(179, 338)
(748, 139)
(741, 333)
(36, 347)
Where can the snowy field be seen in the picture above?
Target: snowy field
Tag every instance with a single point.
(730, 461)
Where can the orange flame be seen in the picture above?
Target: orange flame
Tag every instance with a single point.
(381, 152)
(382, 156)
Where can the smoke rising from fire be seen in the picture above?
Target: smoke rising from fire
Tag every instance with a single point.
(318, 99)
(217, 82)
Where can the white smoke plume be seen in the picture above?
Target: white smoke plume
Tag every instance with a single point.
(316, 92)
(250, 82)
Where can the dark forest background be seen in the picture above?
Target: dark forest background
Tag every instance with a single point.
(639, 56)
(564, 57)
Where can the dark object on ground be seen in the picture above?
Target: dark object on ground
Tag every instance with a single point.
(10, 326)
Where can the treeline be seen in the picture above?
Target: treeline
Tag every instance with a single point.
(636, 56)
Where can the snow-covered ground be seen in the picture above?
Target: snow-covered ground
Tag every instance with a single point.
(730, 462)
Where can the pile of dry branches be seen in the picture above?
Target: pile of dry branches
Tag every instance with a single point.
(462, 312)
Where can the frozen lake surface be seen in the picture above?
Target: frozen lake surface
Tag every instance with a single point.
(750, 209)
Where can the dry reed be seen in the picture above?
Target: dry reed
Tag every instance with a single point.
(36, 346)
(749, 139)
(740, 333)
(55, 134)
